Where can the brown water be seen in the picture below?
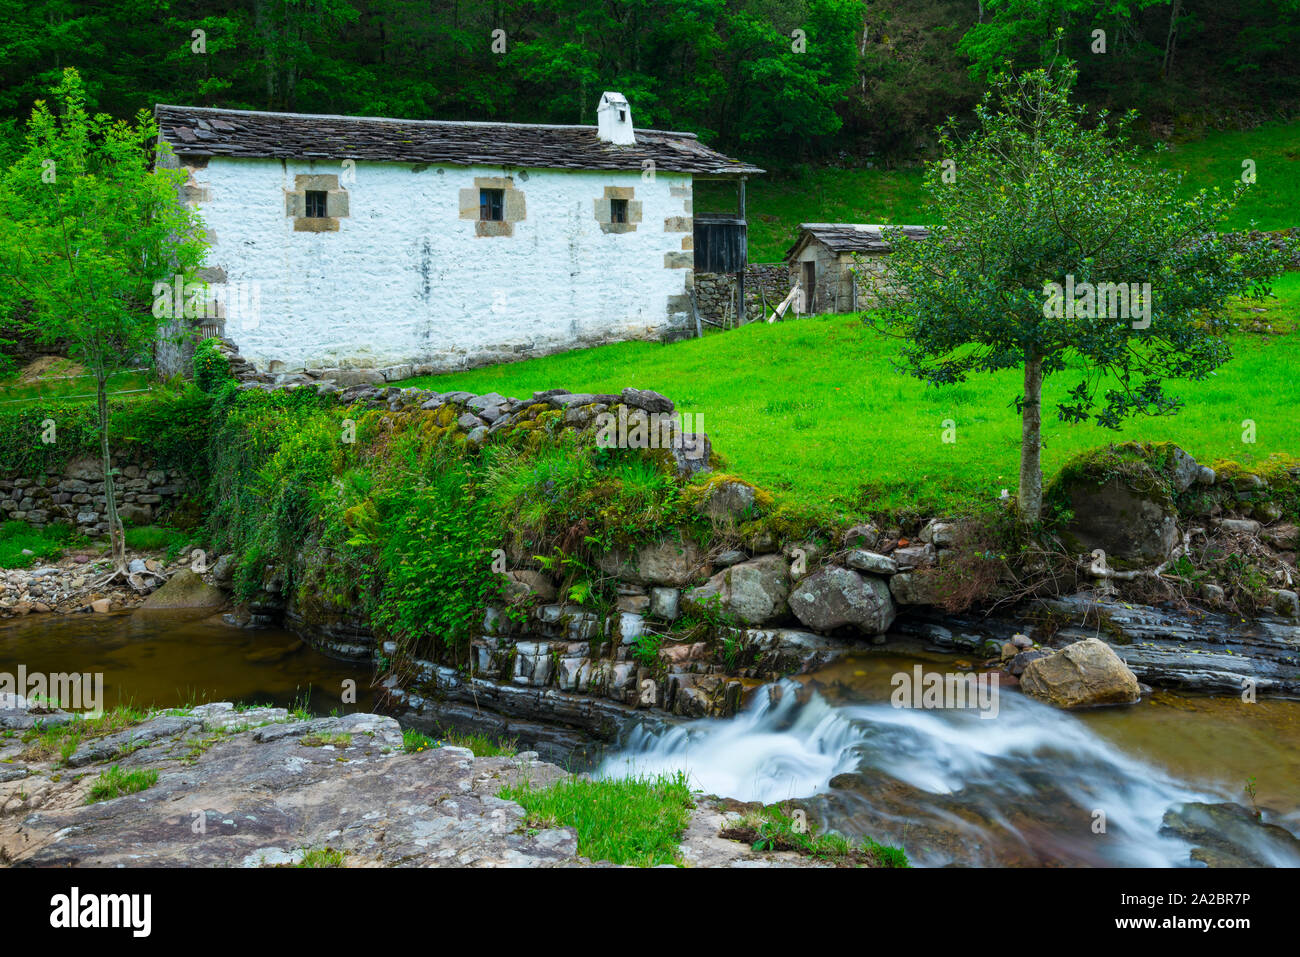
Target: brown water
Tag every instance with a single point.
(162, 660)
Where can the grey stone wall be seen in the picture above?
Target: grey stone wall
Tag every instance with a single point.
(76, 496)
(713, 291)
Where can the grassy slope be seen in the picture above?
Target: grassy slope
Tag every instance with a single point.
(813, 409)
(13, 389)
(777, 204)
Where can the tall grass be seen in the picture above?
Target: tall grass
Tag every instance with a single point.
(637, 821)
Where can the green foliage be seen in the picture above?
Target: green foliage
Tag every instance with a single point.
(322, 857)
(90, 220)
(874, 79)
(482, 745)
(88, 224)
(115, 783)
(646, 649)
(773, 829)
(1036, 199)
(153, 538)
(844, 378)
(413, 741)
(47, 543)
(635, 821)
(435, 537)
(211, 368)
(392, 520)
(168, 427)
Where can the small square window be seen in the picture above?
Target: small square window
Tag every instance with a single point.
(618, 211)
(315, 204)
(492, 205)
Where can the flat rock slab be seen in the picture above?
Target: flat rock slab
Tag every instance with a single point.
(265, 795)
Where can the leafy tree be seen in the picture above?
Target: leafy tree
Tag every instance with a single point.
(88, 223)
(1034, 196)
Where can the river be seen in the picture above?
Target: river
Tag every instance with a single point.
(167, 660)
(1031, 785)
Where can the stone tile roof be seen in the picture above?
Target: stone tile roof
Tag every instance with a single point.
(851, 237)
(202, 131)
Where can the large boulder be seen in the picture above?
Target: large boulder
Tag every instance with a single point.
(185, 589)
(1121, 501)
(754, 591)
(835, 597)
(670, 562)
(1085, 673)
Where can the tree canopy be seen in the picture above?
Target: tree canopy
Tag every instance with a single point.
(1060, 249)
(785, 80)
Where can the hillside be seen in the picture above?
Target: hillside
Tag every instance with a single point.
(779, 201)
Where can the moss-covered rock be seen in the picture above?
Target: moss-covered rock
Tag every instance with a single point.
(185, 589)
(1122, 499)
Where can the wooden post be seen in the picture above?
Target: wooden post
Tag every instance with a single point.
(695, 311)
(740, 276)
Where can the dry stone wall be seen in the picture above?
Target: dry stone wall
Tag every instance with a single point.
(75, 496)
(715, 293)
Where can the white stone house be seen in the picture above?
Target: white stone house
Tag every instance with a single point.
(369, 249)
(830, 262)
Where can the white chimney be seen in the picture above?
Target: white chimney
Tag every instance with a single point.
(614, 120)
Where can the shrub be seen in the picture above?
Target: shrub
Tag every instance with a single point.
(211, 367)
(169, 427)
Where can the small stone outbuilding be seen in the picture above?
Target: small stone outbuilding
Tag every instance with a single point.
(824, 262)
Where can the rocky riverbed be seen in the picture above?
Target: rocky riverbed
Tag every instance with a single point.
(261, 787)
(71, 584)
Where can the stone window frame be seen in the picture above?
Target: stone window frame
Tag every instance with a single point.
(603, 208)
(336, 202)
(513, 207)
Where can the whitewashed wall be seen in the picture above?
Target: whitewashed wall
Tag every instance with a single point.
(405, 280)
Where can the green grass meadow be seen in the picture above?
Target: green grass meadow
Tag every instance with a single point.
(815, 410)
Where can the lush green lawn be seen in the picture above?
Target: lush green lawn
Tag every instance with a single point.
(778, 203)
(813, 409)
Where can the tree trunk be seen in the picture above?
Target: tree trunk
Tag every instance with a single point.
(1031, 422)
(1170, 39)
(115, 533)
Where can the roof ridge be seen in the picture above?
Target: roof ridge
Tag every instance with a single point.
(396, 119)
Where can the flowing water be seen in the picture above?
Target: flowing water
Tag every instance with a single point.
(1026, 786)
(164, 660)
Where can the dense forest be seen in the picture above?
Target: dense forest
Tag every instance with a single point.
(780, 80)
